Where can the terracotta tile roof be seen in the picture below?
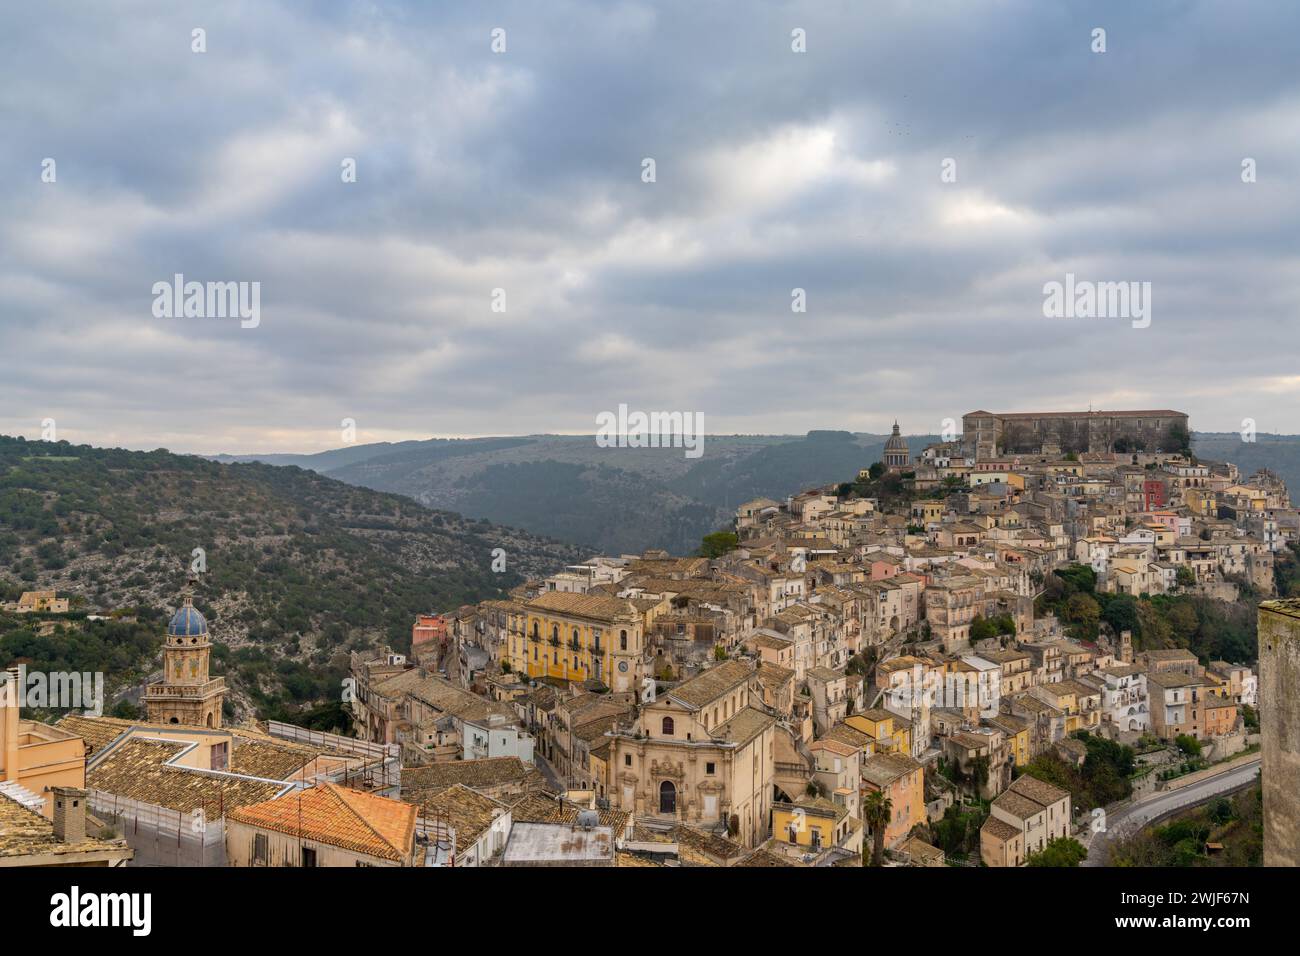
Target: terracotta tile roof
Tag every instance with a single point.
(594, 606)
(1000, 829)
(25, 832)
(443, 696)
(762, 857)
(137, 769)
(475, 774)
(825, 674)
(536, 808)
(252, 752)
(360, 822)
(1018, 805)
(879, 714)
(849, 735)
(708, 686)
(466, 811)
(774, 675)
(1008, 723)
(834, 746)
(97, 733)
(622, 858)
(971, 741)
(836, 811)
(918, 848)
(592, 730)
(279, 761)
(883, 769)
(1169, 654)
(1039, 791)
(696, 847)
(744, 726)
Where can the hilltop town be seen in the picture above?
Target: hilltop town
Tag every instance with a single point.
(962, 655)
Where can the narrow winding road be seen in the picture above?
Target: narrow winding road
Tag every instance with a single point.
(1126, 821)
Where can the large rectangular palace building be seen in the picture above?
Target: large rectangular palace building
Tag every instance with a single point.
(990, 434)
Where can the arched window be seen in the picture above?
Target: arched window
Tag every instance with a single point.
(575, 637)
(668, 726)
(622, 640)
(555, 632)
(535, 629)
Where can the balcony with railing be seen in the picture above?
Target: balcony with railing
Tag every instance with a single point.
(160, 690)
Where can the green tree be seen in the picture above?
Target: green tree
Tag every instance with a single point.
(1178, 439)
(1062, 851)
(1121, 613)
(718, 543)
(1079, 577)
(1083, 612)
(876, 812)
(1251, 716)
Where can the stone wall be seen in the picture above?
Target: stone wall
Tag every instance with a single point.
(1026, 433)
(1279, 713)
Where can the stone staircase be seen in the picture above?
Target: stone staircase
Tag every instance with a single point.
(20, 794)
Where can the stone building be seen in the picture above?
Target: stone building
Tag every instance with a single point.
(986, 435)
(1023, 819)
(186, 694)
(1279, 725)
(702, 754)
(897, 456)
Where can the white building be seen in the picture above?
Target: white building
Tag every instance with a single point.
(1124, 700)
(495, 737)
(988, 684)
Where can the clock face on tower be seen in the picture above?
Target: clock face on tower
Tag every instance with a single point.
(622, 666)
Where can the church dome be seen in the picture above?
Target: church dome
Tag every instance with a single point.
(187, 621)
(896, 441)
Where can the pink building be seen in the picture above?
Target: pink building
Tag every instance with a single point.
(429, 631)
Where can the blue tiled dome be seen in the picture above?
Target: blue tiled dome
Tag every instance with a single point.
(187, 622)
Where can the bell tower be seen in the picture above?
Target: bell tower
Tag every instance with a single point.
(186, 694)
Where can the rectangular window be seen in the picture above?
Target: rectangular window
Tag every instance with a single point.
(260, 848)
(308, 856)
(708, 768)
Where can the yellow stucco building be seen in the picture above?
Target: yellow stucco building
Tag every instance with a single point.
(891, 733)
(582, 636)
(816, 824)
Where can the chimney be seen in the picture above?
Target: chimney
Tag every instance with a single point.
(10, 699)
(69, 814)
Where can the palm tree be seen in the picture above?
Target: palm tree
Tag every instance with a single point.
(876, 811)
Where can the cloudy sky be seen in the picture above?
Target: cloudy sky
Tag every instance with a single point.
(522, 170)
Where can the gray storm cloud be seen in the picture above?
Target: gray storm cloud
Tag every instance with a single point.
(522, 171)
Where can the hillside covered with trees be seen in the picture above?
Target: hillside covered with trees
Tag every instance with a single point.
(300, 568)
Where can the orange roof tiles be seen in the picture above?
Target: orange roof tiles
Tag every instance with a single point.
(338, 816)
